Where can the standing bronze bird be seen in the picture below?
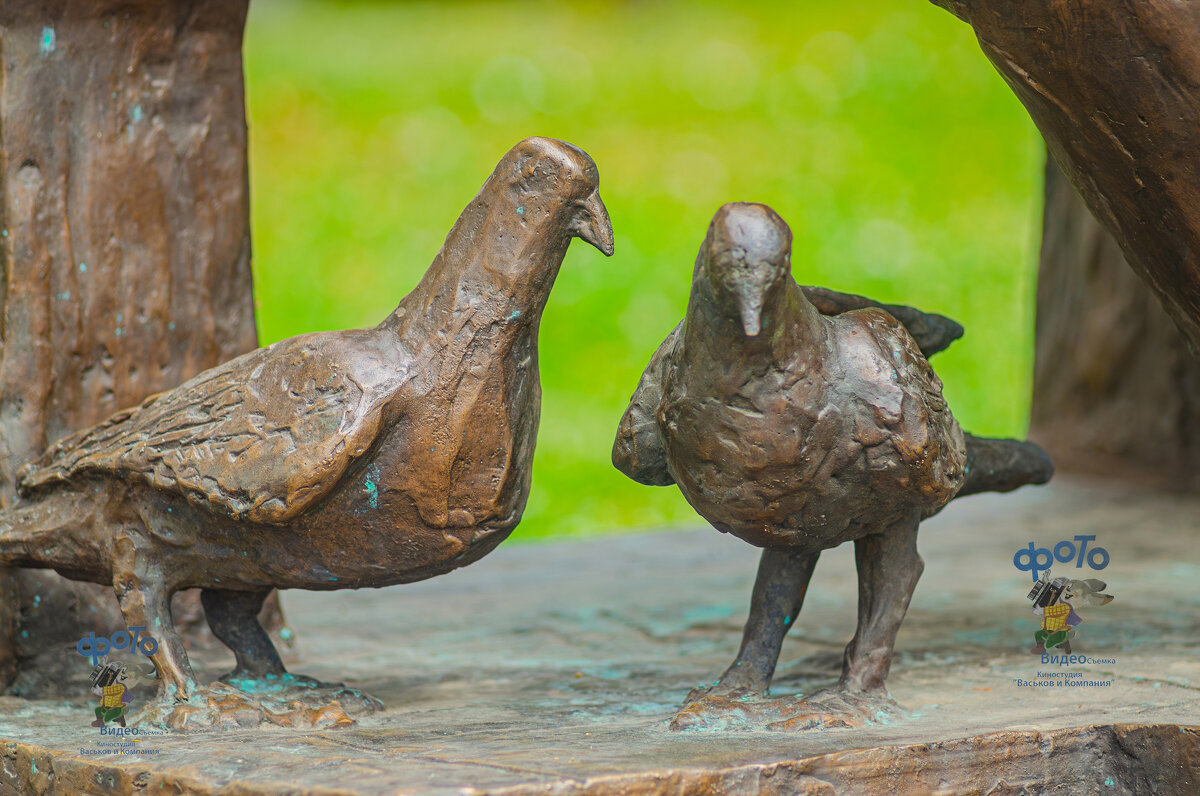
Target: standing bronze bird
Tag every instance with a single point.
(797, 431)
(333, 460)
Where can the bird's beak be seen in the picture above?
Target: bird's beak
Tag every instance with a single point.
(750, 308)
(591, 224)
(750, 293)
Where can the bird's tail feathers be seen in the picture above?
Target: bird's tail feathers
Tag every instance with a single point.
(1002, 465)
(37, 534)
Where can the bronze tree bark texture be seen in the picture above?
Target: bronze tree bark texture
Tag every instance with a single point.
(1116, 387)
(125, 244)
(1114, 87)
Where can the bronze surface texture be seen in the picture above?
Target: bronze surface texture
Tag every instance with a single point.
(332, 460)
(797, 431)
(554, 668)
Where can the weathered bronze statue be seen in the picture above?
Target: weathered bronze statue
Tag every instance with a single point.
(798, 431)
(1121, 116)
(333, 460)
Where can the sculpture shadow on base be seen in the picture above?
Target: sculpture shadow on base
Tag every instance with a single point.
(798, 419)
(332, 460)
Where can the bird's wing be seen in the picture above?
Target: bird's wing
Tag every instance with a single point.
(262, 437)
(932, 332)
(909, 410)
(897, 345)
(639, 450)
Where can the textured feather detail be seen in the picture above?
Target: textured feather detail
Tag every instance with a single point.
(923, 434)
(639, 450)
(262, 437)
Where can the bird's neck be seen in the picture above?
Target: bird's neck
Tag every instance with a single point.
(494, 272)
(789, 324)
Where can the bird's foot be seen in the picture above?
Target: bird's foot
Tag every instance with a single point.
(301, 687)
(720, 707)
(223, 705)
(273, 683)
(718, 690)
(745, 709)
(837, 708)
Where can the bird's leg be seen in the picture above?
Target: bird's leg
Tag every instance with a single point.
(233, 617)
(888, 569)
(146, 602)
(778, 595)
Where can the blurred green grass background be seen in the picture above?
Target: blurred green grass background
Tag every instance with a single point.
(877, 129)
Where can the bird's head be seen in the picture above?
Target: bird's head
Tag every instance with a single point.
(556, 186)
(746, 258)
(504, 252)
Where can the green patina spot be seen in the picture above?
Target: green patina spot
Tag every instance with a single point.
(48, 40)
(371, 485)
(271, 683)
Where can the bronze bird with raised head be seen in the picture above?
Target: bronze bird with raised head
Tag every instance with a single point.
(333, 460)
(797, 431)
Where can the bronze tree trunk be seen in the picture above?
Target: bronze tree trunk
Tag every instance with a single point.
(1111, 85)
(125, 246)
(1116, 387)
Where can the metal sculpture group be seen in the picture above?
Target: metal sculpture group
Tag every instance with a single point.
(794, 418)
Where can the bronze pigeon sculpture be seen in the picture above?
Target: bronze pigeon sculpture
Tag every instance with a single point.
(797, 431)
(333, 460)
